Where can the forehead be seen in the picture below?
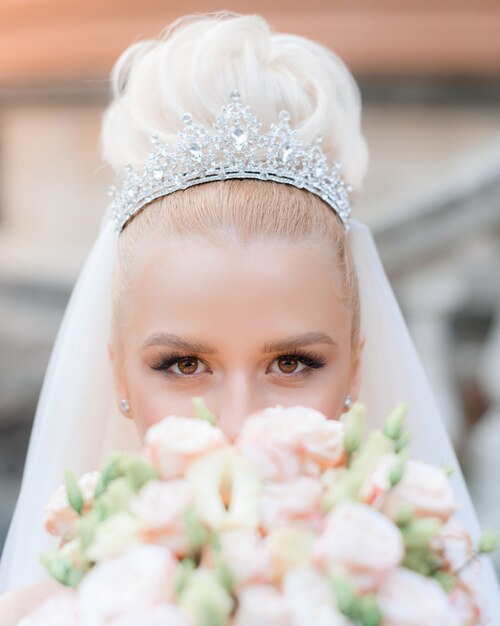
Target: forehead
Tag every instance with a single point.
(197, 286)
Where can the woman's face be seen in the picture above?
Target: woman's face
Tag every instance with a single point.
(244, 327)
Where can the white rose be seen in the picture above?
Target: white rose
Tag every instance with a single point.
(176, 441)
(309, 599)
(60, 609)
(226, 490)
(113, 536)
(408, 598)
(263, 605)
(363, 541)
(137, 580)
(424, 488)
(160, 507)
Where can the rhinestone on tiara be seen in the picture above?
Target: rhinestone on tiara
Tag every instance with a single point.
(233, 148)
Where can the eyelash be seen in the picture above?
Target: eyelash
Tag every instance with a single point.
(310, 360)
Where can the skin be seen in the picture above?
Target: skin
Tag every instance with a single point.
(234, 298)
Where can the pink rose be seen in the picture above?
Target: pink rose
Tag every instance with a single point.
(425, 489)
(60, 515)
(363, 541)
(261, 605)
(286, 442)
(296, 502)
(408, 598)
(175, 442)
(59, 609)
(135, 581)
(160, 508)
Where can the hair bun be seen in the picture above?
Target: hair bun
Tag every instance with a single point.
(198, 59)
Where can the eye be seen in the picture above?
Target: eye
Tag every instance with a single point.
(288, 363)
(187, 365)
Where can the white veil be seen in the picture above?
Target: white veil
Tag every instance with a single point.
(77, 421)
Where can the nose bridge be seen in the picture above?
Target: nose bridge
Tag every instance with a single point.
(237, 397)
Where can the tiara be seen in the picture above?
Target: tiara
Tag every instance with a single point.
(233, 148)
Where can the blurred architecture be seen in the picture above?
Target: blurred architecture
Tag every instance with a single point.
(430, 79)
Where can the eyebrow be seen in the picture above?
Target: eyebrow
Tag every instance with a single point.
(296, 341)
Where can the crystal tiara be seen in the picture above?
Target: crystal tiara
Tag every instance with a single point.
(232, 148)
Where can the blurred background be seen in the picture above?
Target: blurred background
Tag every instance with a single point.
(429, 74)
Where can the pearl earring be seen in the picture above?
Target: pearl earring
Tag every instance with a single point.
(348, 402)
(124, 405)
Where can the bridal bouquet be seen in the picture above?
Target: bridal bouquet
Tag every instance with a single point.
(302, 521)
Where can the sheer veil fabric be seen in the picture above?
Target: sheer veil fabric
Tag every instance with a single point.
(77, 421)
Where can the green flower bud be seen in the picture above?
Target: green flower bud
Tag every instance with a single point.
(445, 579)
(197, 534)
(402, 441)
(403, 516)
(73, 491)
(418, 533)
(344, 594)
(369, 612)
(488, 542)
(187, 567)
(205, 600)
(396, 472)
(202, 411)
(353, 432)
(115, 499)
(393, 425)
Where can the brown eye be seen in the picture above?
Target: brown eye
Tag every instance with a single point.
(288, 364)
(187, 365)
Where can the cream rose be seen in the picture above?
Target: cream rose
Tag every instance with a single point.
(137, 580)
(175, 442)
(363, 541)
(424, 488)
(160, 507)
(408, 598)
(296, 502)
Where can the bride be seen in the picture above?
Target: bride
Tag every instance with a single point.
(249, 291)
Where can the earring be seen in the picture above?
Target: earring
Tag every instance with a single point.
(348, 402)
(124, 405)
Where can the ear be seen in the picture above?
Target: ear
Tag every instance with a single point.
(119, 383)
(355, 382)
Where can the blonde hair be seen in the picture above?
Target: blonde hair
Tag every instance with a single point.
(191, 68)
